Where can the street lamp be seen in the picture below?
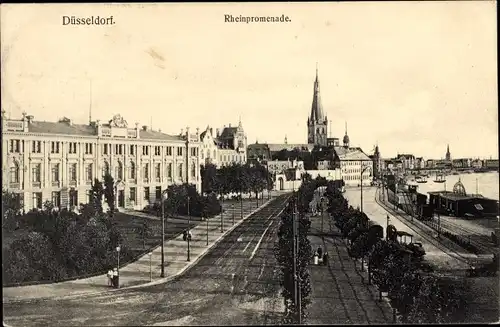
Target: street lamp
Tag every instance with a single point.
(150, 267)
(232, 210)
(322, 211)
(189, 231)
(362, 171)
(206, 218)
(164, 196)
(118, 266)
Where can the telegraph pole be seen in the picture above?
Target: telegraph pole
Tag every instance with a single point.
(189, 231)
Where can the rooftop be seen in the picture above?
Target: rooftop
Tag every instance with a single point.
(347, 153)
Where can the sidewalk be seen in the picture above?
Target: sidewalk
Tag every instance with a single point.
(138, 273)
(339, 291)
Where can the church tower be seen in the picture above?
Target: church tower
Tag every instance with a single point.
(448, 154)
(317, 123)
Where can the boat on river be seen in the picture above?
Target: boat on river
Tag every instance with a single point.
(440, 178)
(420, 179)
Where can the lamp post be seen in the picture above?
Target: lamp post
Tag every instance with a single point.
(206, 219)
(386, 227)
(163, 198)
(150, 267)
(322, 212)
(362, 171)
(118, 265)
(232, 210)
(189, 231)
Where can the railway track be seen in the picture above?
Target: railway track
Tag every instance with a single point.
(481, 241)
(451, 252)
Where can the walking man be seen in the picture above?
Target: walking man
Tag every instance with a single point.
(116, 280)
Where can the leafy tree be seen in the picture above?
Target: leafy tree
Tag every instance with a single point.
(11, 208)
(109, 193)
(144, 231)
(97, 193)
(208, 178)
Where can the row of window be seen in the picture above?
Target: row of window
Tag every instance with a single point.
(73, 197)
(354, 178)
(36, 172)
(16, 146)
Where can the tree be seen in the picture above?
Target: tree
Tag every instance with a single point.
(11, 207)
(109, 193)
(284, 255)
(208, 178)
(144, 231)
(97, 192)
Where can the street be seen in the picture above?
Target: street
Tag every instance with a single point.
(234, 283)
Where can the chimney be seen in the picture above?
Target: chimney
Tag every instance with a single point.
(229, 125)
(99, 128)
(218, 132)
(137, 131)
(145, 127)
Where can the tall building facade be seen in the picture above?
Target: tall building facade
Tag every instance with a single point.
(225, 147)
(317, 123)
(58, 161)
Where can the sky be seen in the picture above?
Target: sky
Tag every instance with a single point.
(411, 77)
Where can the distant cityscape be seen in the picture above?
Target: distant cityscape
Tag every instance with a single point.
(57, 161)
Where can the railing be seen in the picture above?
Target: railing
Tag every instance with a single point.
(158, 179)
(14, 185)
(88, 182)
(72, 183)
(36, 184)
(145, 180)
(55, 183)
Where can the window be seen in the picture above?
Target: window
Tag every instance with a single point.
(158, 193)
(36, 172)
(132, 194)
(37, 200)
(55, 173)
(36, 146)
(145, 150)
(56, 199)
(157, 150)
(145, 172)
(179, 151)
(14, 173)
(88, 148)
(105, 169)
(132, 149)
(119, 171)
(193, 152)
(146, 193)
(131, 174)
(105, 149)
(180, 170)
(215, 155)
(73, 198)
(72, 172)
(202, 155)
(118, 149)
(72, 147)
(169, 150)
(158, 172)
(88, 172)
(54, 147)
(15, 146)
(169, 170)
(193, 170)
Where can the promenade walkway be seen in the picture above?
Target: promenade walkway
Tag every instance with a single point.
(146, 270)
(340, 293)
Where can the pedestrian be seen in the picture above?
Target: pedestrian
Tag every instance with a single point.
(316, 258)
(115, 278)
(110, 277)
(325, 258)
(320, 252)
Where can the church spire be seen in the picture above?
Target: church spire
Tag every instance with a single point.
(317, 107)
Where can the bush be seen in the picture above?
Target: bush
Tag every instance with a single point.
(62, 245)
